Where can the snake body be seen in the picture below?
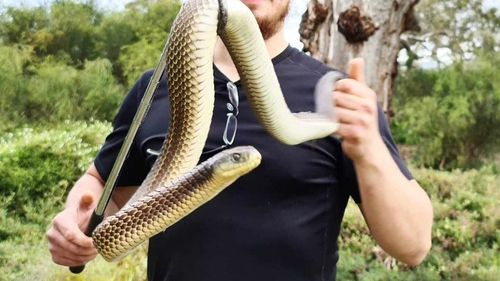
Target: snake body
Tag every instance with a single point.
(191, 92)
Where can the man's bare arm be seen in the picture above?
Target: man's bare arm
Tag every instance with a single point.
(397, 210)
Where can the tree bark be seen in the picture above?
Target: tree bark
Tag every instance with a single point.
(335, 31)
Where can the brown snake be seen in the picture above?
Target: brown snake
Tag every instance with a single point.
(154, 207)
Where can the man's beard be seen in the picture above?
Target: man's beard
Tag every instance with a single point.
(270, 25)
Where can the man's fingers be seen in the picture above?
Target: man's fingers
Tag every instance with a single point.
(85, 207)
(354, 87)
(64, 253)
(56, 240)
(70, 261)
(348, 101)
(58, 252)
(346, 116)
(67, 244)
(64, 261)
(357, 69)
(348, 131)
(356, 103)
(72, 233)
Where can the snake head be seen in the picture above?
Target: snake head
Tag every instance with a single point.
(235, 162)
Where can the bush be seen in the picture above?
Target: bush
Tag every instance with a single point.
(67, 60)
(52, 91)
(451, 115)
(77, 31)
(101, 94)
(58, 92)
(151, 21)
(38, 166)
(13, 89)
(465, 233)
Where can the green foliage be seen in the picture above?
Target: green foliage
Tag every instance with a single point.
(451, 115)
(68, 28)
(59, 92)
(73, 26)
(115, 32)
(152, 21)
(12, 87)
(19, 26)
(73, 61)
(36, 169)
(53, 91)
(38, 166)
(139, 56)
(100, 94)
(465, 233)
(76, 31)
(50, 92)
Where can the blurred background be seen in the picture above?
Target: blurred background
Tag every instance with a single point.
(66, 65)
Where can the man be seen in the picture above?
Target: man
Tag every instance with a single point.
(281, 221)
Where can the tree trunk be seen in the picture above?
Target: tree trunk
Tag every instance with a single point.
(335, 31)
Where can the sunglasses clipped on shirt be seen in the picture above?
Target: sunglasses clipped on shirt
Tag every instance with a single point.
(231, 122)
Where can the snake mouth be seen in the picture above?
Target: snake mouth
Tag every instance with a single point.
(254, 162)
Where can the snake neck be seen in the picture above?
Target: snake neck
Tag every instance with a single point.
(166, 205)
(190, 49)
(264, 92)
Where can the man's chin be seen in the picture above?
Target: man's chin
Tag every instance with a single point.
(253, 3)
(255, 6)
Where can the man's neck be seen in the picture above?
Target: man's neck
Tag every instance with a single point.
(274, 44)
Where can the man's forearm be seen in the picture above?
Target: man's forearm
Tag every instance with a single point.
(397, 210)
(89, 184)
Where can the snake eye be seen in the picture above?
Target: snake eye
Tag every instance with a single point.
(236, 157)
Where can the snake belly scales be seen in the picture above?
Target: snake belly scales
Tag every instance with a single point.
(175, 186)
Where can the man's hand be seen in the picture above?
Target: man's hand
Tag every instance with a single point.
(397, 210)
(356, 110)
(68, 245)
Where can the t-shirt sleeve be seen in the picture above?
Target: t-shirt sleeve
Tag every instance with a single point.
(349, 179)
(134, 169)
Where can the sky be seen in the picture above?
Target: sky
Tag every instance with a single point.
(106, 4)
(298, 5)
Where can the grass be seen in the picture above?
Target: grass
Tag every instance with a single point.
(465, 238)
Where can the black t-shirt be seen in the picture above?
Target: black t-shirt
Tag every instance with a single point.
(281, 221)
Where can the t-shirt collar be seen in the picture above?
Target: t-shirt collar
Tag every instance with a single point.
(277, 59)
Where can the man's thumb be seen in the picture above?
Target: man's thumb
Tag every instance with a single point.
(357, 69)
